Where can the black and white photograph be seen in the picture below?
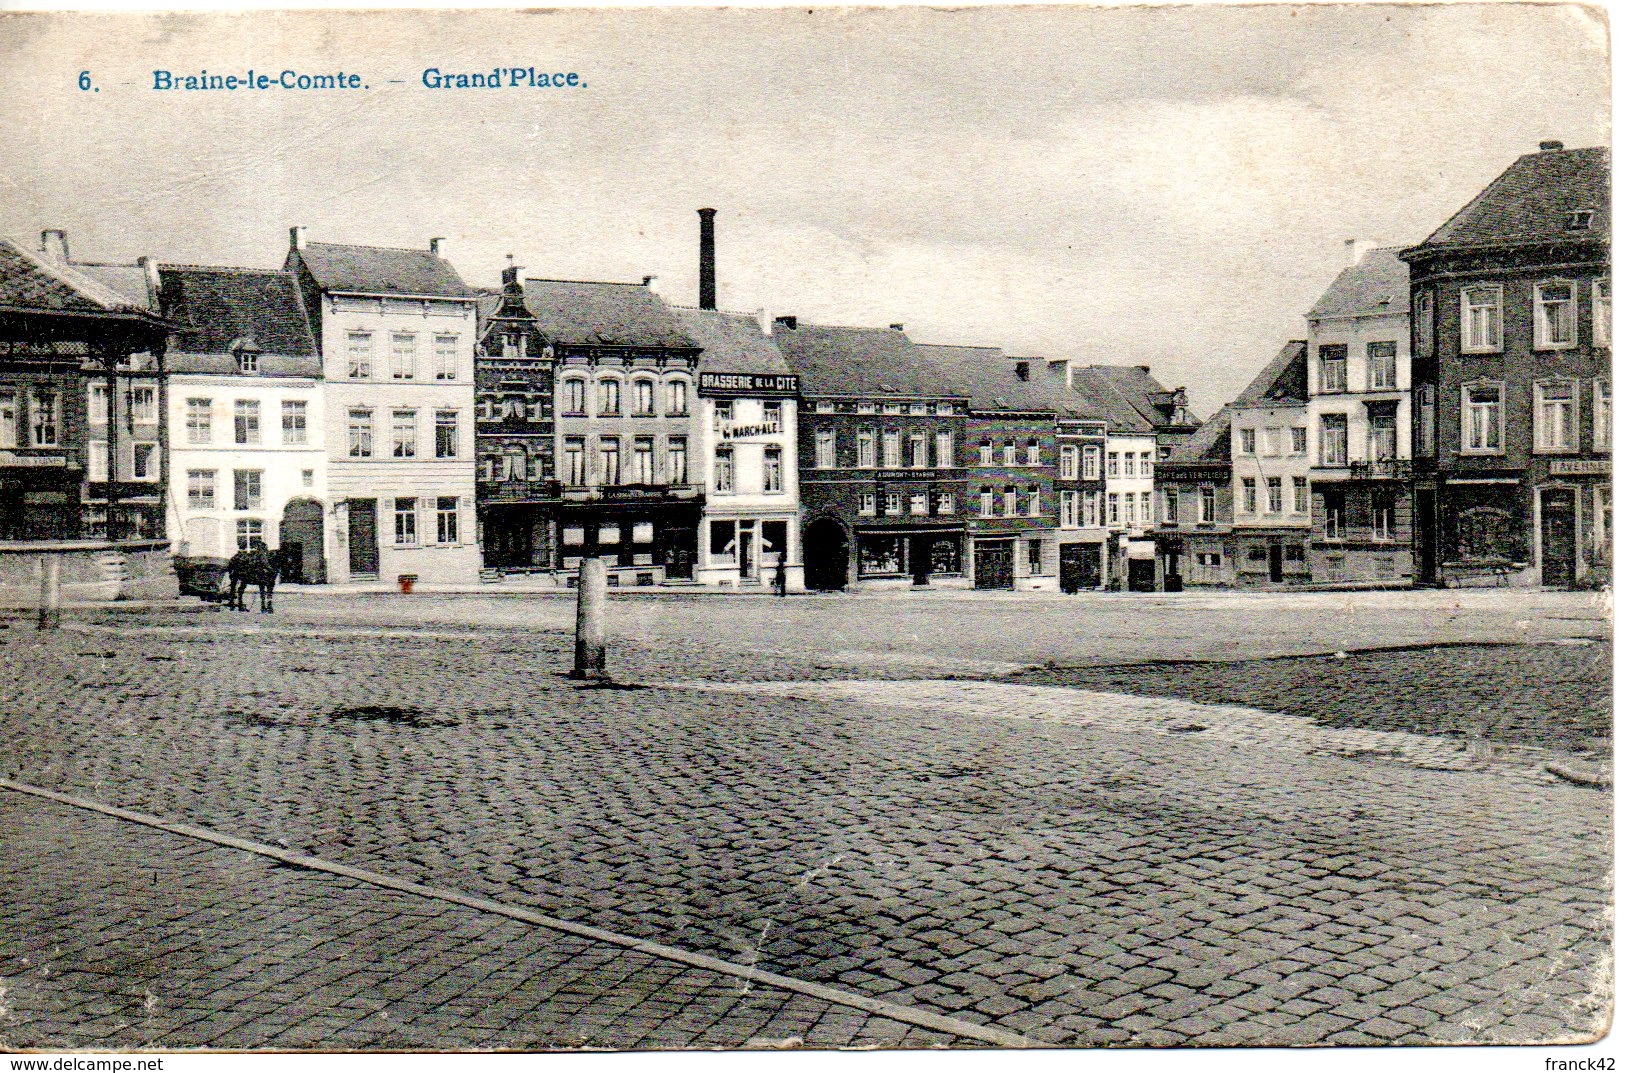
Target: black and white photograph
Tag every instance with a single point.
(823, 529)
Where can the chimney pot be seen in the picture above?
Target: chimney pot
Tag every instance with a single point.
(787, 323)
(437, 246)
(54, 245)
(1550, 147)
(653, 283)
(296, 238)
(764, 321)
(1023, 371)
(897, 327)
(708, 258)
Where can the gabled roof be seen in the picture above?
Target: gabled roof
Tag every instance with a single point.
(1049, 376)
(733, 342)
(1122, 415)
(859, 361)
(219, 310)
(127, 281)
(31, 283)
(987, 376)
(381, 270)
(1378, 283)
(590, 313)
(1210, 443)
(1531, 201)
(1284, 381)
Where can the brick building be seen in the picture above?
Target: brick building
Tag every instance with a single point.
(1131, 447)
(1194, 533)
(1511, 388)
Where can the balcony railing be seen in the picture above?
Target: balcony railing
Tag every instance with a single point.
(1387, 469)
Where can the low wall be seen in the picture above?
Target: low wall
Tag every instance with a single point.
(93, 571)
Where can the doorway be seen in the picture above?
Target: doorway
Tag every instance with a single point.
(747, 553)
(300, 542)
(826, 551)
(363, 538)
(995, 564)
(1277, 566)
(1557, 537)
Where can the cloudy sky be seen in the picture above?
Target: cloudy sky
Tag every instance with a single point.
(1167, 187)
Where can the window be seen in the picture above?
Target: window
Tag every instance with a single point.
(45, 417)
(609, 461)
(200, 489)
(945, 409)
(445, 368)
(1555, 415)
(248, 361)
(98, 404)
(1602, 313)
(894, 503)
(918, 503)
(307, 477)
(1089, 513)
(1422, 323)
(360, 433)
(1249, 495)
(1334, 514)
(1334, 439)
(1145, 508)
(403, 356)
(945, 502)
(199, 420)
(866, 407)
(1170, 506)
(1145, 464)
(1007, 452)
(1382, 518)
(1556, 315)
(1112, 464)
(1381, 361)
(359, 349)
(1114, 508)
(445, 519)
(97, 461)
(1272, 442)
(1481, 418)
(945, 450)
(445, 434)
(676, 398)
(1602, 534)
(1249, 441)
(677, 460)
(1425, 401)
(1207, 504)
(1300, 440)
(773, 416)
(1383, 433)
(918, 458)
(1091, 463)
(1128, 509)
(1032, 452)
(919, 409)
(403, 434)
(773, 470)
(1334, 368)
(892, 449)
(247, 489)
(643, 398)
(892, 408)
(824, 449)
(1035, 501)
(724, 469)
(575, 461)
(609, 397)
(1480, 320)
(406, 523)
(1010, 506)
(984, 453)
(984, 505)
(1602, 415)
(575, 397)
(293, 421)
(866, 448)
(1272, 492)
(245, 414)
(1300, 495)
(643, 461)
(1068, 462)
(1035, 556)
(1069, 508)
(866, 504)
(249, 530)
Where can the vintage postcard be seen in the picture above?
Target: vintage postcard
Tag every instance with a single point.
(821, 528)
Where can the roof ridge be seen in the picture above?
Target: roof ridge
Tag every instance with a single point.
(244, 269)
(594, 282)
(89, 288)
(364, 246)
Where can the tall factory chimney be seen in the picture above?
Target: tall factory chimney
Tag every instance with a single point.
(708, 258)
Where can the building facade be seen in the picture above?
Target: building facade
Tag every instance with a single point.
(1270, 465)
(248, 453)
(1359, 420)
(1083, 543)
(1195, 532)
(1128, 475)
(1511, 304)
(396, 331)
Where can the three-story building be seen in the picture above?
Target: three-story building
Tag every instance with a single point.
(1270, 462)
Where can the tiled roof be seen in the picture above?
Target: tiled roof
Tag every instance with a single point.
(1285, 380)
(1532, 200)
(1210, 443)
(859, 361)
(1378, 283)
(381, 270)
(127, 281)
(1122, 415)
(1135, 385)
(1050, 376)
(988, 378)
(586, 313)
(29, 282)
(219, 309)
(733, 342)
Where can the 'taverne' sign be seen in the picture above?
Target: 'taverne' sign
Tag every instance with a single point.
(748, 384)
(1580, 466)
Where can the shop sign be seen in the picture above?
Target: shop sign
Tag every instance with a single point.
(748, 384)
(9, 459)
(1581, 467)
(731, 431)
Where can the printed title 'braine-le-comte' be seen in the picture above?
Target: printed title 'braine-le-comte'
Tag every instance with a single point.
(364, 411)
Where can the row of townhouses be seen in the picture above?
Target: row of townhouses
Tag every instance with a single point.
(374, 418)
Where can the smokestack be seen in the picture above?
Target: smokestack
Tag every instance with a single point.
(437, 247)
(296, 238)
(149, 268)
(54, 245)
(708, 258)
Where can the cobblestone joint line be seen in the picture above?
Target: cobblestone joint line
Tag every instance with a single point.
(925, 1019)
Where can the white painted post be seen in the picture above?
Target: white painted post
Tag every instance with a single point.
(592, 589)
(50, 592)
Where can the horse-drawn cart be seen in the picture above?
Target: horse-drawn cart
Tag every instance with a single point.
(203, 576)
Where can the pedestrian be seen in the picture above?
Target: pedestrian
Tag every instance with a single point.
(781, 577)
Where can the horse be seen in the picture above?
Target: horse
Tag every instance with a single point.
(258, 567)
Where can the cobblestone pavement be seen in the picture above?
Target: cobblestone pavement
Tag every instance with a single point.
(1083, 882)
(115, 936)
(1532, 695)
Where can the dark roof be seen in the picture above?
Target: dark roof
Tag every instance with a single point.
(1378, 283)
(1210, 443)
(32, 283)
(1094, 383)
(859, 361)
(1531, 201)
(1135, 385)
(221, 309)
(1284, 381)
(587, 313)
(381, 270)
(733, 342)
(988, 378)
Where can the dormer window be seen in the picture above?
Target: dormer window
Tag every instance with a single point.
(248, 360)
(1580, 219)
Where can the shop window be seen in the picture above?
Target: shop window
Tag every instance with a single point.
(724, 548)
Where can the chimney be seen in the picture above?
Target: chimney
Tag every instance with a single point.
(437, 247)
(787, 323)
(1354, 249)
(54, 245)
(896, 327)
(708, 258)
(1023, 371)
(296, 238)
(510, 276)
(1551, 147)
(764, 321)
(653, 283)
(149, 268)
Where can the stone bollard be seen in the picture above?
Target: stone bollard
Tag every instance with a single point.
(50, 592)
(592, 589)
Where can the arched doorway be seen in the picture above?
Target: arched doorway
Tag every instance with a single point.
(300, 544)
(826, 550)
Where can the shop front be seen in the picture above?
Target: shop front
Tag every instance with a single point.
(920, 557)
(643, 543)
(748, 551)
